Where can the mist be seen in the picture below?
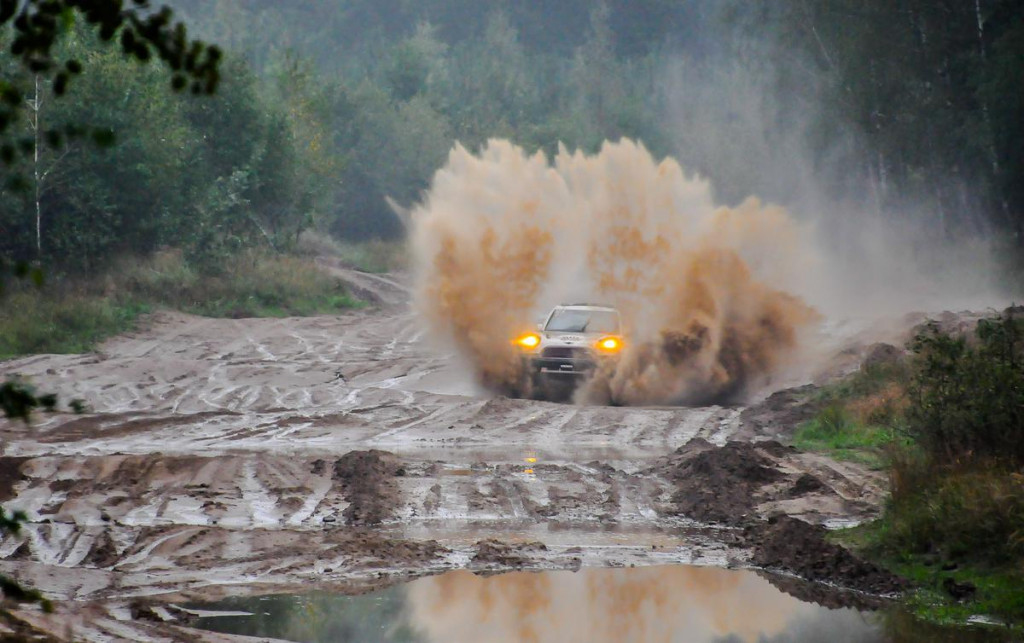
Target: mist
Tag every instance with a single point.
(503, 235)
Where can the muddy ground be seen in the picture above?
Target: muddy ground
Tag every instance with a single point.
(254, 456)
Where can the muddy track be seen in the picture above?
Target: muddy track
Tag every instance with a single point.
(256, 455)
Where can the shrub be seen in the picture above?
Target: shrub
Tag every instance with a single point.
(958, 488)
(967, 394)
(972, 514)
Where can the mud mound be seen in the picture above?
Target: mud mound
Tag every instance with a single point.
(806, 484)
(367, 479)
(373, 550)
(104, 552)
(495, 552)
(798, 547)
(719, 484)
(780, 413)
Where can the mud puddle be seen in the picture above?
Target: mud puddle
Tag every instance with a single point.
(641, 605)
(274, 456)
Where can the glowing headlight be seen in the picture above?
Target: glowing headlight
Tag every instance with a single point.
(529, 341)
(609, 345)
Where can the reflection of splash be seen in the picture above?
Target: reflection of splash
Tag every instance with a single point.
(502, 236)
(645, 605)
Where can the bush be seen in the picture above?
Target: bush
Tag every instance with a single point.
(967, 394)
(975, 514)
(958, 489)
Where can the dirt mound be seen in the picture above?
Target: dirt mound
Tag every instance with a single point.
(793, 545)
(371, 549)
(806, 484)
(719, 484)
(780, 413)
(503, 554)
(104, 552)
(367, 479)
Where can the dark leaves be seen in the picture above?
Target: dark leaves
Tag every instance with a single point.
(141, 33)
(104, 137)
(18, 400)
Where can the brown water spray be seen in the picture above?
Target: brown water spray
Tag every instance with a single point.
(502, 236)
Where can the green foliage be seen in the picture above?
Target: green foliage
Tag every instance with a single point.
(72, 316)
(957, 486)
(374, 256)
(997, 586)
(211, 176)
(861, 416)
(377, 256)
(967, 397)
(44, 322)
(18, 399)
(35, 28)
(12, 589)
(836, 432)
(251, 284)
(975, 514)
(11, 523)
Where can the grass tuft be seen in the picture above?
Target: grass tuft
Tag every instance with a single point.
(376, 256)
(74, 315)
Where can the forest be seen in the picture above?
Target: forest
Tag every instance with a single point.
(907, 111)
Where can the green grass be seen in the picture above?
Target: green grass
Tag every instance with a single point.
(999, 587)
(836, 432)
(35, 322)
(376, 255)
(943, 425)
(73, 316)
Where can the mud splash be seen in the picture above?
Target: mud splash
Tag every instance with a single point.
(705, 290)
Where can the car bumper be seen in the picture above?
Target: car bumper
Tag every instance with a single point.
(563, 366)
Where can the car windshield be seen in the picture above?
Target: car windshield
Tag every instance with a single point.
(566, 320)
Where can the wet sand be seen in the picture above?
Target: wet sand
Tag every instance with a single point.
(212, 462)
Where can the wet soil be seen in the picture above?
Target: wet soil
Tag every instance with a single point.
(780, 413)
(720, 484)
(792, 545)
(254, 456)
(366, 479)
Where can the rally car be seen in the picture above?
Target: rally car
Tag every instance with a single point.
(571, 342)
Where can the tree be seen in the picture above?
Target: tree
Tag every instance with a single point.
(34, 28)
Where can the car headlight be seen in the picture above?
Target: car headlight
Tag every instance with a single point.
(609, 345)
(529, 341)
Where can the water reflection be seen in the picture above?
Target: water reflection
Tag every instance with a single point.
(644, 605)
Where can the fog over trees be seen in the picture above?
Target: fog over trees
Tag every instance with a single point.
(900, 110)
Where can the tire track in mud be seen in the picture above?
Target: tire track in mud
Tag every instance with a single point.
(209, 461)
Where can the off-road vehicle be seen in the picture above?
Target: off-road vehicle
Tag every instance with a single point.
(568, 345)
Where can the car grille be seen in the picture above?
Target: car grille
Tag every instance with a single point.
(565, 352)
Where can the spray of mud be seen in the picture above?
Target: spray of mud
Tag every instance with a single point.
(704, 290)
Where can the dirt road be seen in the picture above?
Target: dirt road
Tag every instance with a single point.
(226, 457)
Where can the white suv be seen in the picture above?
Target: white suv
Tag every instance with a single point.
(570, 343)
